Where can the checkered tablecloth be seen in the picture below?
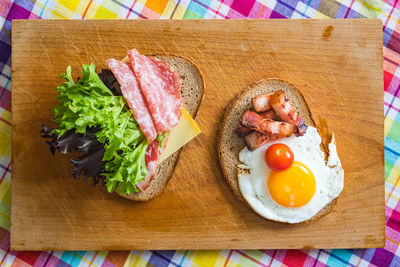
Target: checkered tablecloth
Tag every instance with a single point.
(388, 12)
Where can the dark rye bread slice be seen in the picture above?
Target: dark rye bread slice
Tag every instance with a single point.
(229, 144)
(192, 89)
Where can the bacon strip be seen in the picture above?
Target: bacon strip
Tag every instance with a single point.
(255, 122)
(286, 112)
(269, 115)
(131, 91)
(255, 139)
(242, 131)
(262, 103)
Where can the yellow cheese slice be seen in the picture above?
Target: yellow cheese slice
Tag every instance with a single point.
(125, 59)
(183, 132)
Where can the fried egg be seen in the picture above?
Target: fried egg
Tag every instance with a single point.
(298, 193)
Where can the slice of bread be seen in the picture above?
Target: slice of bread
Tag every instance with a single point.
(192, 90)
(229, 144)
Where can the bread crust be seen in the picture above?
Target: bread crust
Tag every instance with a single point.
(192, 91)
(229, 145)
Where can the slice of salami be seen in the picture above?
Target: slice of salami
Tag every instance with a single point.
(151, 158)
(161, 88)
(133, 95)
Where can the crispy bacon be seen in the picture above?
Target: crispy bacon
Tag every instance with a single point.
(242, 131)
(269, 115)
(255, 122)
(262, 103)
(255, 139)
(286, 112)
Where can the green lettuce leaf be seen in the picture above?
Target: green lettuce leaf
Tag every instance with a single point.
(88, 103)
(161, 138)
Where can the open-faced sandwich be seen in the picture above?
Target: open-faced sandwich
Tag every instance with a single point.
(273, 157)
(129, 121)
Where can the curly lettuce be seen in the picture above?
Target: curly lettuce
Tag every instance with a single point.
(89, 104)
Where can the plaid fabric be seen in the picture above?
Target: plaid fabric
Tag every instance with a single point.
(388, 12)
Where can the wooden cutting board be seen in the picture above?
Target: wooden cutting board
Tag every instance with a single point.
(337, 64)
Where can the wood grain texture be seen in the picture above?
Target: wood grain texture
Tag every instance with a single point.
(337, 64)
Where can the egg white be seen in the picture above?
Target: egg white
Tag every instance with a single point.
(254, 172)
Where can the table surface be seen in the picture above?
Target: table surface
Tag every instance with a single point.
(389, 14)
(193, 211)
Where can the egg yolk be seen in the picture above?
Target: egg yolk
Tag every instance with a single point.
(293, 187)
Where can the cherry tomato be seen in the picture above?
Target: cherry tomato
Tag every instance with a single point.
(279, 157)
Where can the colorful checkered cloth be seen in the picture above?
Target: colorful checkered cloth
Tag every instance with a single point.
(388, 12)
